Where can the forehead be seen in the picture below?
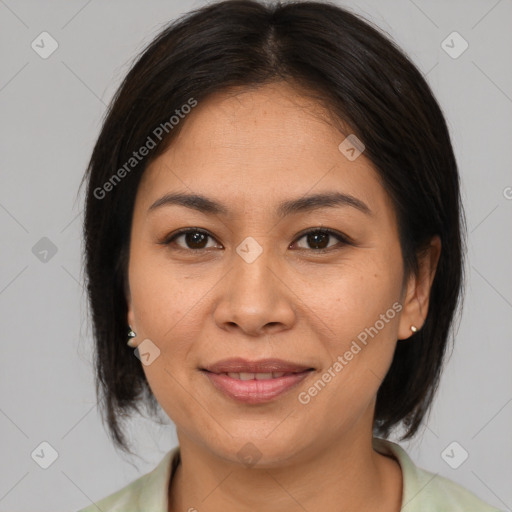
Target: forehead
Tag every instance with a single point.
(260, 144)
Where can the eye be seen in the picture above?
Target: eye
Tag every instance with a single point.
(194, 239)
(318, 239)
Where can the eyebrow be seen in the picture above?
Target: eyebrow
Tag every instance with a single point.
(303, 204)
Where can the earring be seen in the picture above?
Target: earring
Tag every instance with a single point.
(414, 328)
(131, 335)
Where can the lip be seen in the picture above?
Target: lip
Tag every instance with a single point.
(255, 391)
(238, 365)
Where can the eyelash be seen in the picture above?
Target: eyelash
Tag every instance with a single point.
(345, 240)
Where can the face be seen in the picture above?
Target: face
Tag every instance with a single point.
(312, 285)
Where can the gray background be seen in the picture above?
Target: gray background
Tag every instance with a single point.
(50, 115)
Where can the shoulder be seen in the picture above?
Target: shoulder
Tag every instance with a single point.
(148, 492)
(430, 492)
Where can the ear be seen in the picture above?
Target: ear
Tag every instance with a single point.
(417, 295)
(130, 318)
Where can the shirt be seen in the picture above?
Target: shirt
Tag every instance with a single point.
(422, 490)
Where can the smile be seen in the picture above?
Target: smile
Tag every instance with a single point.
(255, 388)
(255, 376)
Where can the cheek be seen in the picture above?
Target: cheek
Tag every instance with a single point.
(170, 306)
(354, 297)
(163, 298)
(362, 312)
(166, 313)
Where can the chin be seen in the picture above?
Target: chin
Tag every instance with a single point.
(252, 451)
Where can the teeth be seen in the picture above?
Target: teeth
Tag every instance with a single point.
(263, 376)
(255, 376)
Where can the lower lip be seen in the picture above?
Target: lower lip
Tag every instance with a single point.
(255, 391)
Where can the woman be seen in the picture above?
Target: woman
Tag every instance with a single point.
(273, 219)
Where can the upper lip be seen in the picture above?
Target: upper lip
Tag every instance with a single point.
(238, 364)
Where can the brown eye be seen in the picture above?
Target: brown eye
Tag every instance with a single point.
(318, 239)
(193, 239)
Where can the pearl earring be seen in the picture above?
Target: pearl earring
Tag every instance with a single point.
(414, 328)
(131, 335)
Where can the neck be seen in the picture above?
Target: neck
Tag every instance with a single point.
(346, 475)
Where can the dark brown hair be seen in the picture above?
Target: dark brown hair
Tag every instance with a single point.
(363, 80)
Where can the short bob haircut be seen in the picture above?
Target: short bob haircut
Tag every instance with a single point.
(365, 82)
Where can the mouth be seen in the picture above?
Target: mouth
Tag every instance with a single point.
(263, 366)
(257, 376)
(255, 382)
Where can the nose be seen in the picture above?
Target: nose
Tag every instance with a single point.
(255, 298)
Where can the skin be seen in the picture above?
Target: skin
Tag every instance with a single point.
(250, 150)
